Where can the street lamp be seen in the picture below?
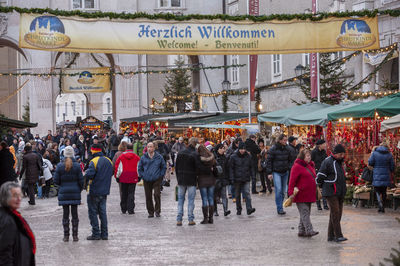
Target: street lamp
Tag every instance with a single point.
(299, 70)
(226, 85)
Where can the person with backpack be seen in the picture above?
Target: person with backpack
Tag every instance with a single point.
(68, 176)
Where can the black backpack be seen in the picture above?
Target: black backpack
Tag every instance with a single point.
(367, 175)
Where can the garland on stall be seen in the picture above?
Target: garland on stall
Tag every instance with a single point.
(169, 16)
(52, 73)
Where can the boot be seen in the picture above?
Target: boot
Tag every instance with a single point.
(75, 224)
(216, 211)
(205, 215)
(210, 213)
(319, 205)
(65, 223)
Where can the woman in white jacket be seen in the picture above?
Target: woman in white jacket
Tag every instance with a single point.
(47, 174)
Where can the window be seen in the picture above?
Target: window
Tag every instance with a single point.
(235, 70)
(170, 3)
(3, 2)
(108, 101)
(58, 109)
(276, 67)
(306, 60)
(83, 4)
(83, 108)
(66, 109)
(73, 106)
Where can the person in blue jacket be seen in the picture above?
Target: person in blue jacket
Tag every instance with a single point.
(68, 176)
(151, 169)
(98, 174)
(382, 161)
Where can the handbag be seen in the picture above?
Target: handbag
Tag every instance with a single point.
(367, 174)
(318, 192)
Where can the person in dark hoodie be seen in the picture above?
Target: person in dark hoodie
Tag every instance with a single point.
(222, 173)
(240, 174)
(331, 177)
(383, 165)
(254, 151)
(318, 155)
(206, 182)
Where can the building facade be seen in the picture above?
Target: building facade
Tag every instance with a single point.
(132, 95)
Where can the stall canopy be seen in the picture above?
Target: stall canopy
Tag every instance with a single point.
(386, 106)
(318, 117)
(221, 126)
(215, 119)
(391, 123)
(284, 116)
(7, 122)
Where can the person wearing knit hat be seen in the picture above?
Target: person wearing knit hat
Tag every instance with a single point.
(318, 155)
(68, 177)
(331, 177)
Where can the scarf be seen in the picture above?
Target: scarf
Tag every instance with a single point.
(27, 229)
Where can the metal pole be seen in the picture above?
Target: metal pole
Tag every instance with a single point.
(318, 85)
(248, 73)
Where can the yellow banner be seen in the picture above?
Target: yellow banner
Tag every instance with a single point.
(89, 80)
(140, 36)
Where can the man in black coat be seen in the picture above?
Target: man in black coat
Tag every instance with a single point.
(254, 151)
(186, 167)
(318, 155)
(7, 172)
(331, 177)
(293, 148)
(32, 164)
(240, 173)
(278, 166)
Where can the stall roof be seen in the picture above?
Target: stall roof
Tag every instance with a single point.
(391, 123)
(386, 106)
(8, 122)
(216, 118)
(318, 117)
(283, 116)
(182, 117)
(219, 126)
(145, 118)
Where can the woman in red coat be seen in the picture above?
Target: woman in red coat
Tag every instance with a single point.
(303, 177)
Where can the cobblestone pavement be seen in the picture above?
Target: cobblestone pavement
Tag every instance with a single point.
(263, 238)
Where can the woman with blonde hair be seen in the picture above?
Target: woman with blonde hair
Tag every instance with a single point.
(68, 177)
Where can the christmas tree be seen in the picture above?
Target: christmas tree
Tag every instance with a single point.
(177, 84)
(334, 85)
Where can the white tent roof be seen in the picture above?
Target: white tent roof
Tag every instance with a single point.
(391, 123)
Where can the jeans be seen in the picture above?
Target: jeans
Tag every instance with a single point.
(245, 189)
(97, 207)
(280, 183)
(224, 199)
(207, 196)
(39, 190)
(181, 201)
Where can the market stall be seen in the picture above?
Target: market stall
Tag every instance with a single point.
(91, 123)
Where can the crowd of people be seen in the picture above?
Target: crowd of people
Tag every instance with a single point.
(72, 161)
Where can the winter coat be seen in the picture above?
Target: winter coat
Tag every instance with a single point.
(205, 176)
(253, 148)
(240, 166)
(114, 142)
(152, 169)
(178, 147)
(7, 172)
(116, 156)
(382, 161)
(138, 148)
(318, 156)
(278, 159)
(293, 151)
(331, 177)
(99, 174)
(47, 168)
(162, 149)
(125, 169)
(15, 240)
(222, 161)
(32, 167)
(70, 184)
(81, 147)
(187, 163)
(301, 178)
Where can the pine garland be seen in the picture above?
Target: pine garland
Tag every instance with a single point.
(168, 16)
